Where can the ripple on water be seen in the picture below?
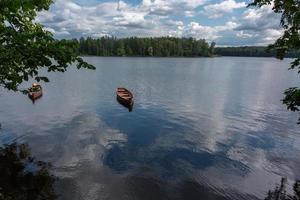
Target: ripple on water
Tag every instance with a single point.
(200, 128)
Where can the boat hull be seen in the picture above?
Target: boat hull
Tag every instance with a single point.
(125, 97)
(127, 105)
(35, 95)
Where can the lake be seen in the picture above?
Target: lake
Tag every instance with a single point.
(200, 128)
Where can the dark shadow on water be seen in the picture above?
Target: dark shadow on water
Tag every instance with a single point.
(146, 188)
(128, 106)
(22, 177)
(168, 162)
(280, 191)
(35, 100)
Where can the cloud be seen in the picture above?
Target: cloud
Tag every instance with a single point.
(211, 33)
(149, 18)
(259, 19)
(169, 7)
(130, 19)
(190, 4)
(154, 18)
(242, 34)
(259, 26)
(219, 9)
(196, 30)
(66, 15)
(189, 13)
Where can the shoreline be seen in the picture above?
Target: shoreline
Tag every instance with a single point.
(216, 56)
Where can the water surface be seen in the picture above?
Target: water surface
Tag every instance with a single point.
(201, 128)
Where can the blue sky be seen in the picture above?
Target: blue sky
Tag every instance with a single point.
(227, 22)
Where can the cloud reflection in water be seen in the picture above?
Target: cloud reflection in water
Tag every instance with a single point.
(199, 125)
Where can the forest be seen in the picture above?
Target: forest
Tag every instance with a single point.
(252, 51)
(167, 47)
(134, 46)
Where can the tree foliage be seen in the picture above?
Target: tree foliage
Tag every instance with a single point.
(251, 51)
(26, 47)
(290, 40)
(160, 46)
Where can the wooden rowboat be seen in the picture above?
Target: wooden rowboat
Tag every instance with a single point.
(125, 97)
(35, 92)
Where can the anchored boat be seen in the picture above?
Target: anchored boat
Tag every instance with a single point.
(125, 97)
(35, 92)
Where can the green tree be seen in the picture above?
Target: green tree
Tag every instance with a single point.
(128, 50)
(150, 51)
(212, 48)
(290, 40)
(26, 47)
(160, 46)
(120, 48)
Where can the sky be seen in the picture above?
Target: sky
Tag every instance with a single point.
(227, 22)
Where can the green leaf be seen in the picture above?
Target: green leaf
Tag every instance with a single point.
(25, 48)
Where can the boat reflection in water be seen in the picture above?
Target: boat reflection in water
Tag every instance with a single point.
(34, 100)
(126, 105)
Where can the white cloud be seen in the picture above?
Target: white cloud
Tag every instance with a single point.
(173, 3)
(196, 30)
(242, 34)
(167, 7)
(130, 19)
(189, 13)
(219, 9)
(149, 18)
(67, 19)
(269, 36)
(259, 26)
(84, 20)
(260, 19)
(210, 33)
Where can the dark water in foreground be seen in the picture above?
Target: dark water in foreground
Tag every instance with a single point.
(200, 128)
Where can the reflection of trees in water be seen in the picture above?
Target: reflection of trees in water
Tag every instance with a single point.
(22, 177)
(280, 193)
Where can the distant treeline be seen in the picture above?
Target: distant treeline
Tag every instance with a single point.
(167, 47)
(251, 51)
(134, 46)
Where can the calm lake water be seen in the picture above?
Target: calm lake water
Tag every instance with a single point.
(201, 128)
